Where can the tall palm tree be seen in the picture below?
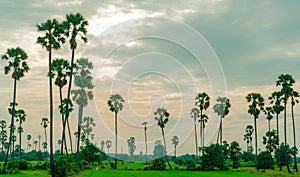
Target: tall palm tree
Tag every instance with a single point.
(248, 137)
(20, 117)
(61, 69)
(28, 140)
(202, 102)
(102, 145)
(16, 58)
(51, 40)
(195, 115)
(276, 98)
(108, 145)
(145, 135)
(35, 142)
(87, 127)
(294, 95)
(115, 104)
(175, 141)
(256, 105)
(222, 109)
(286, 82)
(83, 80)
(162, 118)
(74, 26)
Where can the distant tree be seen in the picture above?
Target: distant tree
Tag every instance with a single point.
(202, 102)
(28, 140)
(276, 99)
(162, 118)
(44, 124)
(248, 137)
(3, 134)
(235, 154)
(132, 146)
(159, 150)
(145, 136)
(175, 141)
(222, 109)
(35, 142)
(108, 145)
(115, 104)
(102, 145)
(16, 58)
(256, 105)
(87, 127)
(83, 93)
(286, 82)
(195, 115)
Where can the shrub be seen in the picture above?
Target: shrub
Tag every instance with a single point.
(18, 164)
(247, 156)
(263, 159)
(157, 164)
(62, 166)
(281, 151)
(190, 165)
(42, 165)
(179, 161)
(213, 158)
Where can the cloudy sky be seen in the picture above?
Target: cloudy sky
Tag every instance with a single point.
(160, 55)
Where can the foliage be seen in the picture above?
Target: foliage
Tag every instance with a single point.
(18, 164)
(264, 160)
(62, 166)
(190, 164)
(159, 150)
(247, 156)
(157, 164)
(213, 158)
(235, 154)
(282, 154)
(91, 153)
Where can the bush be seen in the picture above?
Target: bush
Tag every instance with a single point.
(62, 166)
(190, 165)
(42, 165)
(213, 158)
(247, 156)
(263, 159)
(282, 153)
(179, 161)
(18, 164)
(157, 164)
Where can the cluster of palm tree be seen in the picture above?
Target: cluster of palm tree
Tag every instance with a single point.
(278, 100)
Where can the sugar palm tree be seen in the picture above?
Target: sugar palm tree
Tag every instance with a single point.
(132, 146)
(195, 115)
(256, 106)
(75, 27)
(202, 102)
(294, 99)
(162, 118)
(28, 140)
(276, 99)
(270, 140)
(222, 109)
(83, 93)
(286, 82)
(87, 127)
(248, 136)
(17, 64)
(44, 124)
(52, 40)
(108, 145)
(60, 69)
(145, 135)
(102, 145)
(35, 142)
(115, 104)
(175, 141)
(20, 117)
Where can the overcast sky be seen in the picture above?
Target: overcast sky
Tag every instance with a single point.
(160, 54)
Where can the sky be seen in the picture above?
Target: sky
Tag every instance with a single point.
(159, 55)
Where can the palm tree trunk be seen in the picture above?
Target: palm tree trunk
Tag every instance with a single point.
(221, 141)
(196, 139)
(163, 134)
(175, 151)
(285, 136)
(70, 136)
(20, 139)
(269, 125)
(45, 135)
(294, 135)
(255, 129)
(12, 122)
(116, 138)
(145, 132)
(203, 137)
(79, 130)
(63, 138)
(278, 143)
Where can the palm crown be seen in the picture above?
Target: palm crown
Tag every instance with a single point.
(257, 104)
(175, 140)
(61, 69)
(222, 108)
(115, 103)
(202, 101)
(276, 99)
(16, 61)
(162, 117)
